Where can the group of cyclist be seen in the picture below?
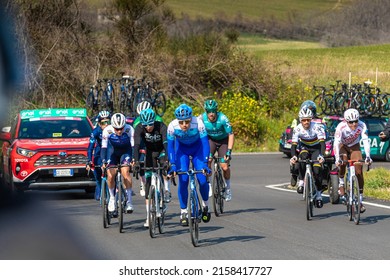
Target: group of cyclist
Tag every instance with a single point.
(308, 142)
(186, 138)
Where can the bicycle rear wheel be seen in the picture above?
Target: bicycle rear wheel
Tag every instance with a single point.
(308, 196)
(355, 200)
(161, 218)
(152, 210)
(193, 217)
(121, 208)
(104, 199)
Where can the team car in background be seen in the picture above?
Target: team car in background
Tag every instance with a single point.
(47, 149)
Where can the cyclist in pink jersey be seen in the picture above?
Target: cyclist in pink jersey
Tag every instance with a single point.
(347, 145)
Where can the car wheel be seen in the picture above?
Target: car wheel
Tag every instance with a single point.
(387, 155)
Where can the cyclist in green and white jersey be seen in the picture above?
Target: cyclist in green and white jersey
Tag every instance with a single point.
(220, 133)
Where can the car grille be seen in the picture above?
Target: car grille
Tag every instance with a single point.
(50, 160)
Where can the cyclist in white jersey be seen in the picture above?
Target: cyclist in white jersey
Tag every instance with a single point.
(347, 143)
(311, 137)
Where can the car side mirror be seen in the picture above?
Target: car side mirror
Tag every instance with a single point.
(5, 134)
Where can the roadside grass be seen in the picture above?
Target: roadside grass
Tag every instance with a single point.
(377, 183)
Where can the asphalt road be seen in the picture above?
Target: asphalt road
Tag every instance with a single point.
(262, 222)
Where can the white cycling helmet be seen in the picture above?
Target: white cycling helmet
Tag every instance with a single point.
(351, 115)
(118, 121)
(143, 106)
(305, 113)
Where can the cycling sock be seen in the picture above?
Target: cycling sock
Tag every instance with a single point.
(143, 180)
(361, 197)
(318, 195)
(183, 211)
(300, 183)
(147, 211)
(166, 185)
(227, 183)
(341, 181)
(112, 194)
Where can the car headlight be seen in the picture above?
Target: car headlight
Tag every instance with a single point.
(25, 152)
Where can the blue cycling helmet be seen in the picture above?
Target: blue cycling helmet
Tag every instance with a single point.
(103, 115)
(147, 116)
(183, 112)
(310, 105)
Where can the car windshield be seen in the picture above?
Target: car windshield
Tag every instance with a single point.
(54, 128)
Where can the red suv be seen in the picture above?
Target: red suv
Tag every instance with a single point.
(47, 149)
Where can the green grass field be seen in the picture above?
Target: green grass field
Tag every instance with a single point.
(253, 9)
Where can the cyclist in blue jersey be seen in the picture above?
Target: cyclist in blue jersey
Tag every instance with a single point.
(94, 149)
(121, 138)
(187, 137)
(154, 136)
(221, 135)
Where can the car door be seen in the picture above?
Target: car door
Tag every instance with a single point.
(378, 148)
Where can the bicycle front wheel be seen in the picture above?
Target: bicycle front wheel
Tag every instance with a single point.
(355, 200)
(152, 210)
(121, 208)
(161, 218)
(104, 199)
(193, 217)
(216, 195)
(308, 186)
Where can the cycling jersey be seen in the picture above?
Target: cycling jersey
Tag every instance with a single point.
(119, 144)
(155, 141)
(95, 143)
(182, 144)
(308, 137)
(220, 128)
(346, 136)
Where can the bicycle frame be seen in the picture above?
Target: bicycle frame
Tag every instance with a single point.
(353, 191)
(308, 189)
(194, 207)
(156, 203)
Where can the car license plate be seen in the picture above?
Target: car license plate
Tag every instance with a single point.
(63, 172)
(287, 146)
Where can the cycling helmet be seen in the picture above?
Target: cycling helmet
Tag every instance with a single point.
(147, 117)
(211, 105)
(142, 106)
(118, 121)
(305, 113)
(103, 115)
(183, 112)
(311, 105)
(351, 115)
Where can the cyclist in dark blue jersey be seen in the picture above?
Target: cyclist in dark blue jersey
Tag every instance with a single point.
(94, 149)
(121, 138)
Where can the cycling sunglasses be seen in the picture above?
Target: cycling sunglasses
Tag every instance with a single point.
(105, 122)
(351, 122)
(185, 122)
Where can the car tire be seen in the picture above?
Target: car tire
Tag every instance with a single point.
(387, 155)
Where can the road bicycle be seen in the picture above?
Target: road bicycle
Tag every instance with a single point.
(108, 95)
(309, 189)
(218, 186)
(156, 201)
(94, 96)
(127, 96)
(120, 197)
(194, 205)
(146, 91)
(353, 198)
